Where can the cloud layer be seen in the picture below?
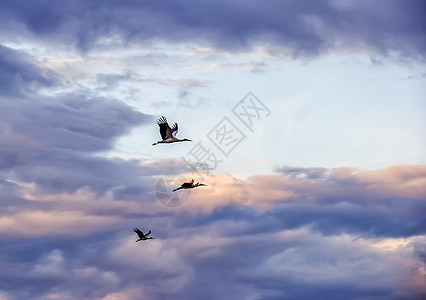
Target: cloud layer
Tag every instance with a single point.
(67, 210)
(300, 28)
(282, 236)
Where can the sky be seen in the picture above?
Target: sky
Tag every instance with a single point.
(307, 121)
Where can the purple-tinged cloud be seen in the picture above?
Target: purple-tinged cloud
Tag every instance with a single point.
(51, 140)
(315, 241)
(67, 122)
(298, 27)
(19, 73)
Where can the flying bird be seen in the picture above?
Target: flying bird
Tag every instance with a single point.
(189, 185)
(168, 134)
(142, 237)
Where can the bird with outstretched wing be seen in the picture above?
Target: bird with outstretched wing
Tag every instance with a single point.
(141, 235)
(168, 134)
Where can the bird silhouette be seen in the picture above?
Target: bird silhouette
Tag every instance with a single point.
(168, 134)
(142, 237)
(189, 185)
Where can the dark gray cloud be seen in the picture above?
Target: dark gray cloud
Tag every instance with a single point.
(51, 141)
(375, 218)
(368, 219)
(420, 249)
(191, 263)
(300, 27)
(69, 122)
(20, 74)
(10, 198)
(59, 171)
(355, 202)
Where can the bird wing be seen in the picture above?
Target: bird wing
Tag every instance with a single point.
(148, 233)
(165, 130)
(139, 233)
(174, 129)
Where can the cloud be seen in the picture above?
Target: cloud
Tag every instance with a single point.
(68, 122)
(20, 74)
(308, 172)
(376, 207)
(51, 141)
(300, 28)
(381, 203)
(112, 80)
(67, 212)
(271, 236)
(252, 66)
(279, 264)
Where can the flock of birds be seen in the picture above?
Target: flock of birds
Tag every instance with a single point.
(168, 136)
